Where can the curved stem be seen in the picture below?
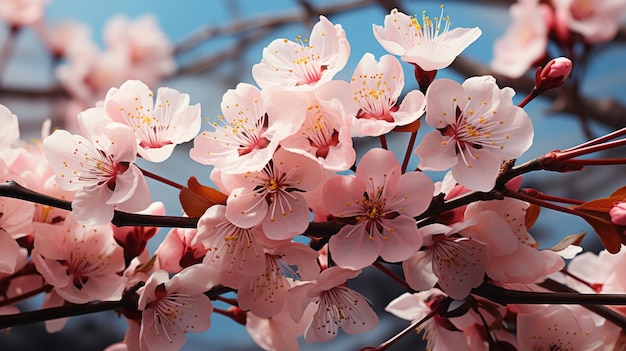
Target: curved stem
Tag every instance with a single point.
(18, 298)
(160, 179)
(393, 276)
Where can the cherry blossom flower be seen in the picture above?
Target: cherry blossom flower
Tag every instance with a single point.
(272, 197)
(61, 36)
(279, 332)
(383, 202)
(99, 167)
(558, 327)
(9, 136)
(179, 249)
(172, 307)
(597, 21)
(370, 98)
(522, 263)
(325, 136)
(304, 63)
(232, 250)
(159, 126)
(478, 127)
(525, 40)
(20, 13)
(457, 263)
(430, 45)
(264, 294)
(337, 306)
(149, 51)
(250, 130)
(81, 262)
(440, 335)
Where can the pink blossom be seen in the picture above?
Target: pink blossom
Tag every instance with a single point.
(232, 250)
(618, 214)
(173, 307)
(383, 202)
(438, 332)
(602, 272)
(430, 45)
(264, 294)
(160, 125)
(61, 36)
(99, 167)
(521, 263)
(525, 40)
(250, 130)
(22, 12)
(149, 51)
(179, 249)
(370, 99)
(597, 21)
(304, 63)
(563, 327)
(324, 135)
(478, 127)
(272, 197)
(457, 263)
(279, 332)
(554, 74)
(81, 262)
(337, 306)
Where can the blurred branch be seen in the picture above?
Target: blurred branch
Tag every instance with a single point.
(263, 22)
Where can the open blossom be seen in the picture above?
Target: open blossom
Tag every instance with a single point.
(478, 127)
(304, 63)
(325, 135)
(250, 130)
(383, 202)
(272, 197)
(81, 262)
(337, 306)
(99, 167)
(233, 250)
(264, 294)
(160, 125)
(370, 99)
(179, 249)
(525, 40)
(559, 327)
(597, 21)
(172, 307)
(149, 51)
(439, 333)
(430, 45)
(22, 12)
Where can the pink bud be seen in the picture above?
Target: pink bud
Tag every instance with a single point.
(553, 74)
(618, 214)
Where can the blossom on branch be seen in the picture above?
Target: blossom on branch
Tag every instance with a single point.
(478, 127)
(160, 125)
(99, 167)
(305, 63)
(430, 45)
(382, 203)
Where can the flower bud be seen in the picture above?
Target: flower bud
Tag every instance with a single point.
(553, 74)
(618, 214)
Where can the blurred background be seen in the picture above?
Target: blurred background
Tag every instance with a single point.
(217, 42)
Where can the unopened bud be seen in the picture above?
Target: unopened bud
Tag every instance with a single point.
(553, 74)
(618, 214)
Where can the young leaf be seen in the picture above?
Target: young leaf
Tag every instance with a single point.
(197, 198)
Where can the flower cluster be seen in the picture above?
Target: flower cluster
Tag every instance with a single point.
(296, 210)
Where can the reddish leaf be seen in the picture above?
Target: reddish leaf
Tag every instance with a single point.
(532, 213)
(197, 198)
(619, 194)
(596, 213)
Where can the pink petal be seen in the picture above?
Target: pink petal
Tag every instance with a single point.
(402, 240)
(353, 248)
(418, 271)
